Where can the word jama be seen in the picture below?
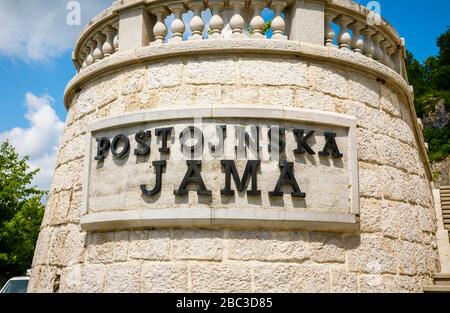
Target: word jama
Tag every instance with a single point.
(120, 147)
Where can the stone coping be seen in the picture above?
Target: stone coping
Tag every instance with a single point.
(216, 218)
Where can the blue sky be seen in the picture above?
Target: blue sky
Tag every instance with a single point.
(35, 63)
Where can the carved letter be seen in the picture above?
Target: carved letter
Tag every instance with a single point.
(193, 176)
(221, 132)
(244, 140)
(165, 133)
(125, 149)
(159, 166)
(331, 145)
(287, 178)
(250, 172)
(140, 139)
(281, 145)
(103, 145)
(302, 145)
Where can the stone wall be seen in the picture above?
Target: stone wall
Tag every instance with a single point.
(395, 249)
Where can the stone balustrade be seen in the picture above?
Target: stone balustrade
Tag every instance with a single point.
(337, 24)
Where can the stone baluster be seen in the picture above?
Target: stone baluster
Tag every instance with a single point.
(237, 21)
(216, 23)
(108, 46)
(86, 52)
(369, 48)
(257, 22)
(177, 26)
(99, 38)
(329, 31)
(378, 53)
(344, 39)
(160, 29)
(82, 61)
(90, 58)
(357, 42)
(390, 53)
(278, 24)
(197, 25)
(116, 42)
(384, 44)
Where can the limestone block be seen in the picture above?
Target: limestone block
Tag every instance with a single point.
(264, 246)
(365, 89)
(67, 246)
(276, 96)
(370, 211)
(210, 71)
(73, 215)
(376, 284)
(164, 278)
(177, 96)
(313, 100)
(223, 278)
(279, 278)
(71, 279)
(100, 247)
(168, 74)
(60, 206)
(370, 254)
(390, 219)
(123, 277)
(150, 245)
(198, 245)
(409, 227)
(207, 95)
(46, 280)
(369, 183)
(389, 101)
(316, 279)
(239, 95)
(343, 282)
(406, 284)
(107, 90)
(93, 278)
(133, 82)
(121, 246)
(401, 130)
(42, 246)
(283, 72)
(406, 262)
(329, 80)
(327, 247)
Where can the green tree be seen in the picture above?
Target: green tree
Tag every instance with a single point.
(21, 213)
(431, 81)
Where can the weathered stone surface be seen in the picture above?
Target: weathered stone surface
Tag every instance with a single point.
(327, 247)
(123, 277)
(313, 100)
(198, 245)
(365, 89)
(161, 75)
(329, 80)
(343, 282)
(278, 278)
(263, 245)
(371, 254)
(93, 278)
(100, 248)
(224, 278)
(150, 245)
(280, 73)
(164, 278)
(210, 71)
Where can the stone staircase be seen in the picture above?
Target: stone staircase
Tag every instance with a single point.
(445, 204)
(441, 284)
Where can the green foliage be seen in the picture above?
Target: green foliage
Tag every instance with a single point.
(431, 81)
(21, 213)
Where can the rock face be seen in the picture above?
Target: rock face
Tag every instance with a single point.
(439, 118)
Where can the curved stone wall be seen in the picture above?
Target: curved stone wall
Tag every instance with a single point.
(394, 248)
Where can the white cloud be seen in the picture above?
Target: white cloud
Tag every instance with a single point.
(37, 31)
(41, 139)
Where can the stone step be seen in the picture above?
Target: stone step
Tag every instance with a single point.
(436, 289)
(442, 279)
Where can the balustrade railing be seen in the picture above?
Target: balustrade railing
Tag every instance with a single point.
(345, 25)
